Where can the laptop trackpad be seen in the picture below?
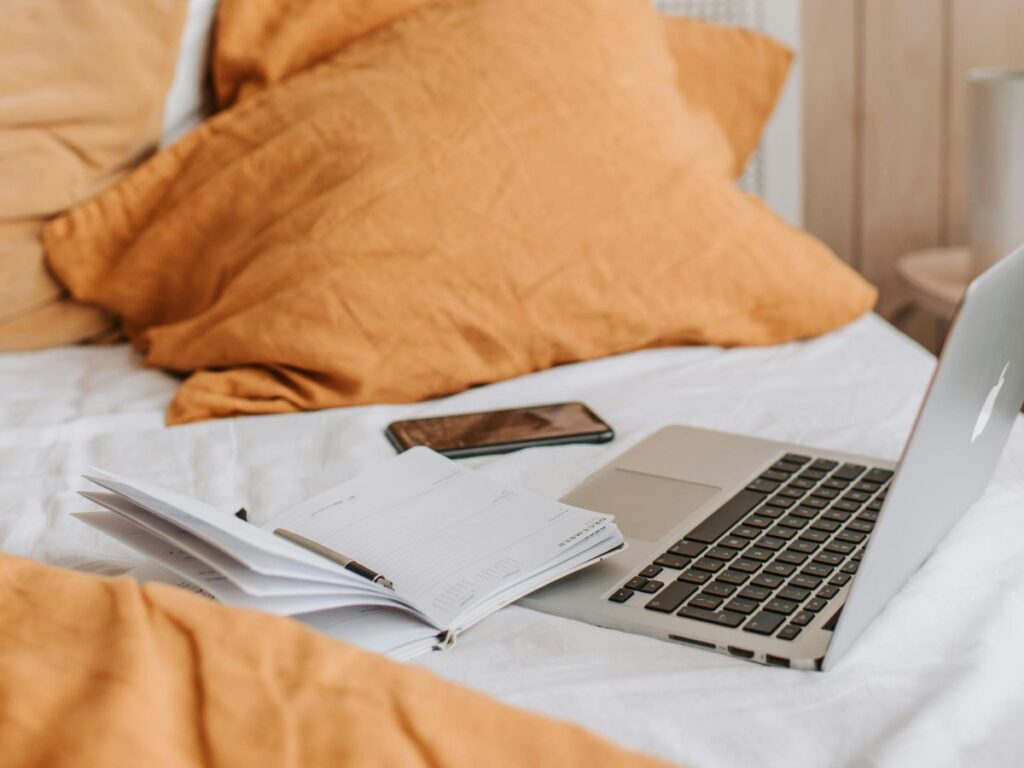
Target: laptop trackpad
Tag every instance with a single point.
(646, 507)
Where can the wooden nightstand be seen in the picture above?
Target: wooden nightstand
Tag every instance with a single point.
(934, 279)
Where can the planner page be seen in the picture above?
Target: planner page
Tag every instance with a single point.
(446, 537)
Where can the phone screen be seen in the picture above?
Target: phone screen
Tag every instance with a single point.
(493, 431)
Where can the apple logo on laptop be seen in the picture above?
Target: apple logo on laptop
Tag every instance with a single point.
(990, 402)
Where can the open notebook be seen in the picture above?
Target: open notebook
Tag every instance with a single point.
(455, 545)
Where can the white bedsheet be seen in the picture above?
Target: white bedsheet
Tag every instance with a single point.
(937, 680)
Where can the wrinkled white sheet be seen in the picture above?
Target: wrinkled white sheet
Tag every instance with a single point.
(937, 680)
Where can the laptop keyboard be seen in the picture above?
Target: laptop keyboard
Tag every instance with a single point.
(775, 554)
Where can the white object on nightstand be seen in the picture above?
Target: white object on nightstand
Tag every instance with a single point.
(935, 279)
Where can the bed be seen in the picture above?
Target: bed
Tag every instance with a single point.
(935, 680)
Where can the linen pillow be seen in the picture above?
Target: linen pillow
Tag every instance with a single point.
(476, 190)
(81, 100)
(734, 73)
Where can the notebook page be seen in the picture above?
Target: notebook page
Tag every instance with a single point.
(246, 579)
(200, 574)
(444, 535)
(256, 548)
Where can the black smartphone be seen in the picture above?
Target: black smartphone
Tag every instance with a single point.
(479, 434)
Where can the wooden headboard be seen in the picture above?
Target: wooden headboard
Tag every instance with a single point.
(775, 172)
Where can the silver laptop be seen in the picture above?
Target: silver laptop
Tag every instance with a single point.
(783, 554)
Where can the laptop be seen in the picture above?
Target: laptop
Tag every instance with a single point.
(783, 554)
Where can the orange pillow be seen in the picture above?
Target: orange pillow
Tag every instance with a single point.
(477, 190)
(81, 100)
(734, 73)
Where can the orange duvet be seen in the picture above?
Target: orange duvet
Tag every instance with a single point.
(99, 671)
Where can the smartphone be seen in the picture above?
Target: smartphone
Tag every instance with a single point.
(488, 432)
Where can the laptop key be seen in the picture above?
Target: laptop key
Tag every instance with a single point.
(777, 605)
(741, 606)
(758, 554)
(763, 486)
(829, 558)
(747, 532)
(637, 582)
(788, 633)
(807, 513)
(785, 466)
(767, 580)
(835, 482)
(802, 482)
(814, 475)
(694, 577)
(805, 582)
(707, 602)
(815, 503)
(725, 517)
(724, 618)
(817, 569)
(668, 560)
(860, 526)
(875, 505)
(850, 568)
(825, 464)
(816, 536)
(793, 521)
(827, 592)
(782, 532)
(825, 493)
(849, 471)
(745, 566)
(757, 594)
(686, 548)
(805, 547)
(770, 542)
(758, 521)
(825, 525)
(802, 619)
(708, 564)
(815, 604)
(718, 589)
(791, 557)
(764, 623)
(671, 597)
(839, 580)
(878, 475)
(734, 542)
(781, 501)
(796, 458)
(721, 553)
(621, 596)
(794, 593)
(858, 497)
(837, 515)
(773, 476)
(734, 577)
(771, 512)
(868, 517)
(866, 487)
(846, 506)
(851, 536)
(652, 586)
(779, 569)
(650, 571)
(793, 493)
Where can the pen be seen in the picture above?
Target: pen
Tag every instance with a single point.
(335, 557)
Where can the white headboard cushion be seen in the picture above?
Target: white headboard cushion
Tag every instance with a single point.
(775, 171)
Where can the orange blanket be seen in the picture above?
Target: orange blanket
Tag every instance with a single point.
(97, 671)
